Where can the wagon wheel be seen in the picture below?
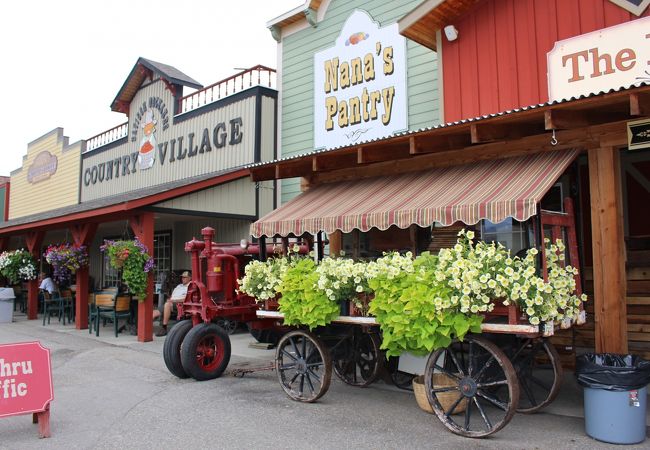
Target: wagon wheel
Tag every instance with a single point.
(539, 372)
(205, 352)
(227, 324)
(359, 359)
(474, 375)
(303, 365)
(172, 348)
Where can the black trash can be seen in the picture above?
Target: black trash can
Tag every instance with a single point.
(615, 396)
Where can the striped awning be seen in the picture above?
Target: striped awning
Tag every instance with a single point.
(492, 190)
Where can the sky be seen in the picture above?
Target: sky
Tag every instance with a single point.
(64, 61)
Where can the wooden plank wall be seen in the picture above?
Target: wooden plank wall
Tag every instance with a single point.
(498, 61)
(638, 312)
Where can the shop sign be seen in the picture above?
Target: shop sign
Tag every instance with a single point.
(360, 84)
(43, 167)
(148, 151)
(638, 134)
(611, 58)
(25, 378)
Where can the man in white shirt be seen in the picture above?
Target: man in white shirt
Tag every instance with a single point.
(46, 283)
(178, 295)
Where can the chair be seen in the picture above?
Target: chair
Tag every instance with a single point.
(59, 303)
(118, 308)
(21, 299)
(99, 299)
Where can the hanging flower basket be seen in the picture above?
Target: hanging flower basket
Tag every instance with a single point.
(132, 256)
(17, 266)
(66, 259)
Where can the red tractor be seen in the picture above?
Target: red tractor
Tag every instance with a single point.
(198, 347)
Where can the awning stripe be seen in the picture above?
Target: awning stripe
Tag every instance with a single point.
(491, 190)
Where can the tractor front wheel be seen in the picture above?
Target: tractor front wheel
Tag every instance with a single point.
(205, 352)
(172, 348)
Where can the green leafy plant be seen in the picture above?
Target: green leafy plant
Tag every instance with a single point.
(302, 303)
(134, 260)
(17, 265)
(406, 305)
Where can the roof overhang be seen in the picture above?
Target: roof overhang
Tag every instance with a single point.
(89, 212)
(575, 123)
(422, 24)
(295, 15)
(142, 70)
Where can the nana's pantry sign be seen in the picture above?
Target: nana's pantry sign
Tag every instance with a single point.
(360, 84)
(148, 146)
(611, 58)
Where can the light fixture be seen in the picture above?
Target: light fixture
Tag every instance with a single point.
(451, 32)
(243, 243)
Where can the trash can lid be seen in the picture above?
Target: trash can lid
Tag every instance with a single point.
(7, 293)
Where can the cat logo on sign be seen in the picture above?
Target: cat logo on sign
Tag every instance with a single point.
(636, 7)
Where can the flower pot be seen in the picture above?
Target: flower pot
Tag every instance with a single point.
(446, 399)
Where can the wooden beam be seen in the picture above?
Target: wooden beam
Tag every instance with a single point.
(142, 225)
(639, 104)
(608, 249)
(34, 240)
(82, 234)
(368, 155)
(578, 138)
(333, 160)
(562, 119)
(421, 144)
(490, 132)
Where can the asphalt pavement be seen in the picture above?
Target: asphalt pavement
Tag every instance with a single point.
(115, 393)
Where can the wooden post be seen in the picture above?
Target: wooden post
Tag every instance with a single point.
(336, 242)
(143, 228)
(608, 249)
(34, 241)
(82, 235)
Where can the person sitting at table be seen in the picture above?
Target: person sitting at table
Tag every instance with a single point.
(178, 295)
(47, 285)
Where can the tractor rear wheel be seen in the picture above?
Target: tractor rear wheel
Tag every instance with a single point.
(205, 352)
(172, 348)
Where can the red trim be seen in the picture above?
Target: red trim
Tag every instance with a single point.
(128, 206)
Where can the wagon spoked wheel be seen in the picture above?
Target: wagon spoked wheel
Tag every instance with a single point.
(472, 387)
(303, 365)
(205, 352)
(358, 358)
(227, 324)
(539, 372)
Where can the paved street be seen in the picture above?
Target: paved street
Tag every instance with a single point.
(116, 393)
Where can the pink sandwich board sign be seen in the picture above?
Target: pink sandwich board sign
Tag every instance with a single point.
(26, 382)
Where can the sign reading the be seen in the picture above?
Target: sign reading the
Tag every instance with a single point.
(43, 167)
(25, 378)
(360, 84)
(611, 58)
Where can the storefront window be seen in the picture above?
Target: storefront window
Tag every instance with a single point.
(162, 255)
(510, 233)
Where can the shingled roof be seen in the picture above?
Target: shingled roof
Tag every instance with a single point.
(142, 69)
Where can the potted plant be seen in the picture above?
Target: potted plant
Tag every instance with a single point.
(17, 265)
(132, 256)
(65, 260)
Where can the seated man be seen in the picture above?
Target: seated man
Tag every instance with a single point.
(46, 285)
(178, 295)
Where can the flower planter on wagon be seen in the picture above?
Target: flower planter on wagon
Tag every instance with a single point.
(510, 367)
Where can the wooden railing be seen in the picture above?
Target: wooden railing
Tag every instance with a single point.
(112, 135)
(255, 76)
(258, 75)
